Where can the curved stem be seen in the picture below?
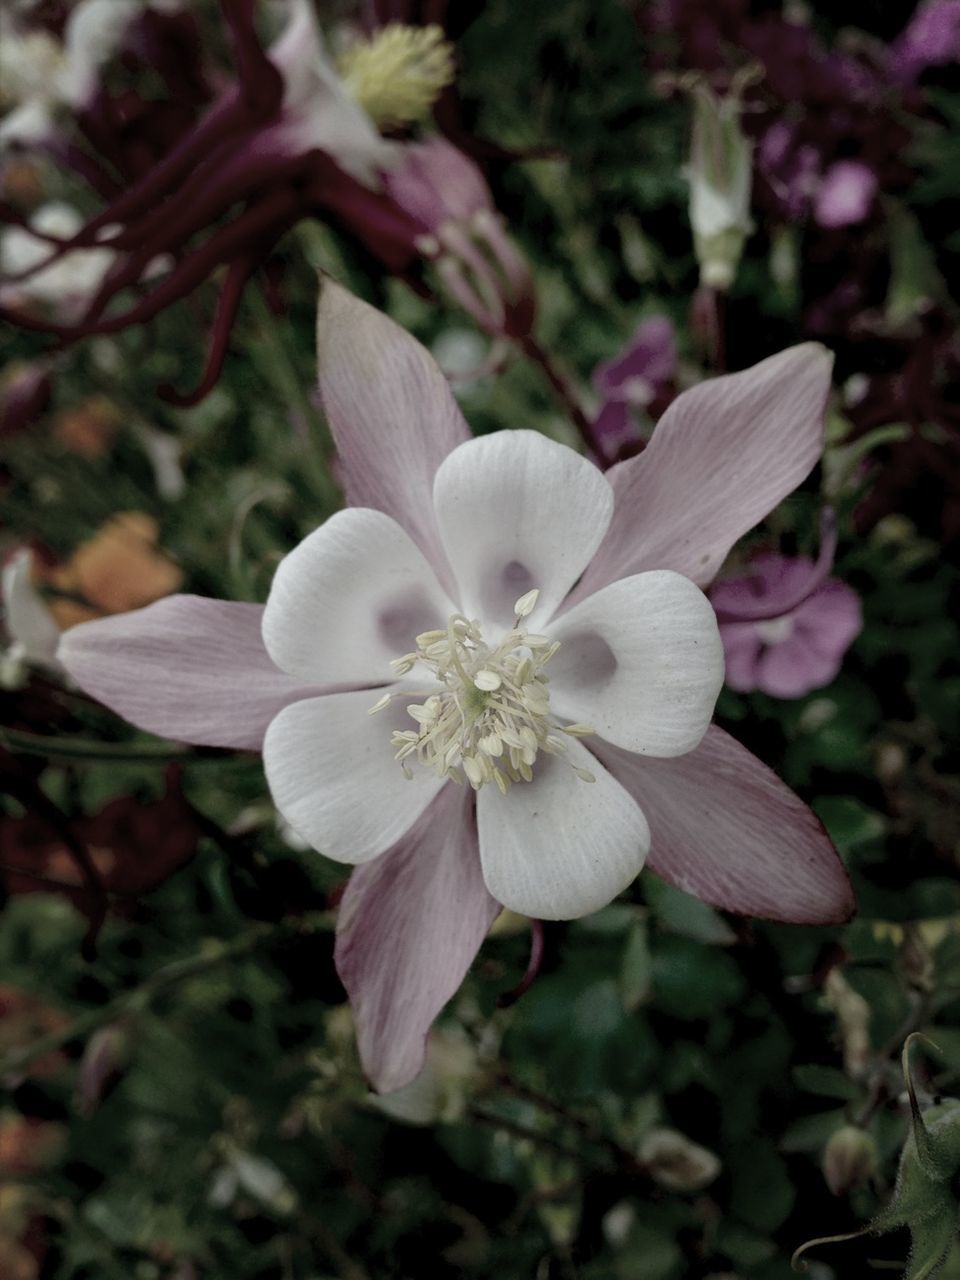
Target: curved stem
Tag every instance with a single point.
(532, 349)
(79, 749)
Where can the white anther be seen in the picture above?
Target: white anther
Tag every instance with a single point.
(488, 681)
(526, 604)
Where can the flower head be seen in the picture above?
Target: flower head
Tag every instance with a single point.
(494, 606)
(806, 627)
(397, 75)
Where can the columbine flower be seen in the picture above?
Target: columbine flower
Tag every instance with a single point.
(286, 141)
(39, 72)
(806, 627)
(425, 621)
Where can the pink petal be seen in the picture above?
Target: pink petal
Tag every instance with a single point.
(186, 668)
(721, 457)
(832, 617)
(794, 668)
(724, 827)
(845, 195)
(741, 647)
(410, 925)
(391, 411)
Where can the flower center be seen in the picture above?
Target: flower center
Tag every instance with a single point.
(775, 630)
(488, 717)
(397, 75)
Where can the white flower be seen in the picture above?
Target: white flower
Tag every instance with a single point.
(32, 633)
(66, 285)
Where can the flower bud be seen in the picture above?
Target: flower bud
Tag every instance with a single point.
(675, 1162)
(849, 1159)
(720, 175)
(102, 1065)
(481, 268)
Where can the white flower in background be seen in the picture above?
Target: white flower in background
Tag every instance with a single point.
(32, 634)
(441, 1091)
(66, 285)
(318, 109)
(677, 1163)
(39, 73)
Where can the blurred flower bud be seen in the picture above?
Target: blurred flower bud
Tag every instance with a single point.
(102, 1065)
(675, 1162)
(24, 396)
(720, 175)
(849, 1159)
(915, 961)
(442, 1089)
(481, 268)
(32, 634)
(853, 1015)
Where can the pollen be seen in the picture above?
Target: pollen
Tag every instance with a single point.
(398, 74)
(487, 716)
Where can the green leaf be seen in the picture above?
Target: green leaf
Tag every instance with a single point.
(826, 1082)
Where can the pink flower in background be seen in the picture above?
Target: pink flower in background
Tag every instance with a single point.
(845, 194)
(930, 39)
(638, 380)
(461, 232)
(403, 649)
(793, 648)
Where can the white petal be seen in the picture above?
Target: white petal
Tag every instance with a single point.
(642, 662)
(351, 597)
(320, 111)
(557, 847)
(518, 511)
(28, 621)
(332, 775)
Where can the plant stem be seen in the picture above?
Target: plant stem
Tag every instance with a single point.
(80, 749)
(278, 367)
(566, 395)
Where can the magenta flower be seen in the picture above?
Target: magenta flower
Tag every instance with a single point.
(403, 650)
(845, 194)
(638, 380)
(779, 646)
(930, 39)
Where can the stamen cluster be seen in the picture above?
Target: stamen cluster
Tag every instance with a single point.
(490, 716)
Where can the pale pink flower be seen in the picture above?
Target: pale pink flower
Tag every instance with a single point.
(532, 540)
(794, 648)
(845, 195)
